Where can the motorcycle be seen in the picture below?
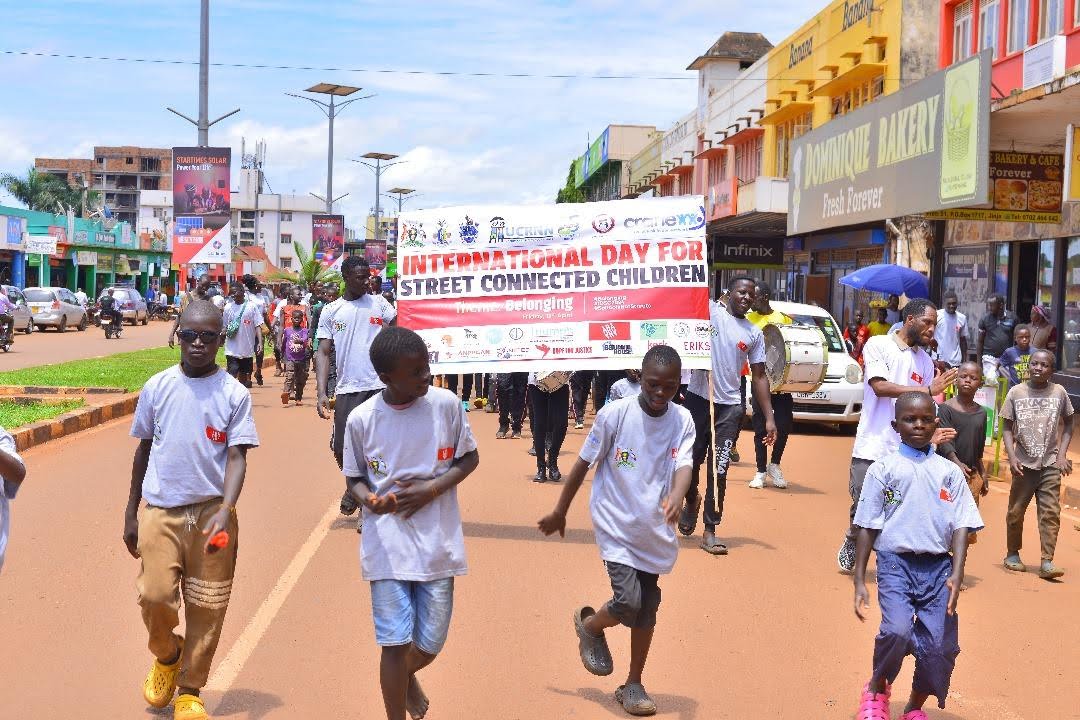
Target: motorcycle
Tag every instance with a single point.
(113, 325)
(92, 315)
(162, 312)
(5, 338)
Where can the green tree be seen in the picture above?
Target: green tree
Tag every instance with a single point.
(37, 191)
(310, 273)
(570, 193)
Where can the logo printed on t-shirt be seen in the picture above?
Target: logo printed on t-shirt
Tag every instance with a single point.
(674, 453)
(743, 346)
(944, 495)
(445, 453)
(339, 326)
(916, 377)
(375, 320)
(378, 466)
(215, 435)
(625, 458)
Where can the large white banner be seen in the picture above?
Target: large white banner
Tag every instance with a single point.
(573, 286)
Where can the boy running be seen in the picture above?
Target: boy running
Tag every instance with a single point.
(1038, 429)
(914, 508)
(642, 448)
(406, 450)
(195, 427)
(296, 349)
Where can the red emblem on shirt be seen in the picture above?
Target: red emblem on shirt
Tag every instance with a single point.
(916, 377)
(216, 436)
(445, 453)
(743, 346)
(376, 320)
(944, 495)
(674, 453)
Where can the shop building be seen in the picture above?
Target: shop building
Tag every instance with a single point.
(603, 172)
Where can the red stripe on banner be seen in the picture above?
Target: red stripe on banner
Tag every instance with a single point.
(638, 304)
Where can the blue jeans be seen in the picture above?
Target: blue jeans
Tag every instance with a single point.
(415, 612)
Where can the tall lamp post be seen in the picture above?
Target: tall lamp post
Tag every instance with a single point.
(378, 168)
(203, 123)
(331, 110)
(401, 194)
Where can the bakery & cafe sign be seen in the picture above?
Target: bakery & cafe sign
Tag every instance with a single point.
(1024, 187)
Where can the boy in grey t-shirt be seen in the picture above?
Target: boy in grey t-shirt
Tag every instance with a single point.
(1038, 418)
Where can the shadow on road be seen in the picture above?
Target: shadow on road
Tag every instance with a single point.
(694, 541)
(665, 704)
(494, 531)
(252, 703)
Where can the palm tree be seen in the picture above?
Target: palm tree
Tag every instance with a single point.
(38, 191)
(311, 272)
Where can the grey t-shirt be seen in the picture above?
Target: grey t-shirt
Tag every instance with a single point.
(242, 345)
(1036, 414)
(735, 342)
(917, 500)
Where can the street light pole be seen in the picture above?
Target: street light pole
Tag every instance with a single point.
(331, 110)
(378, 168)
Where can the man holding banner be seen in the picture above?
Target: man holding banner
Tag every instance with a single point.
(735, 342)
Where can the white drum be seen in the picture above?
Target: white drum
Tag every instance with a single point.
(796, 357)
(551, 381)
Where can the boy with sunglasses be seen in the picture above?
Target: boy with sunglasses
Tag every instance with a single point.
(194, 426)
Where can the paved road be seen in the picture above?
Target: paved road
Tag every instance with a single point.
(49, 346)
(766, 632)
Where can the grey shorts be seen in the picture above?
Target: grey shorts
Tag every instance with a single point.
(636, 595)
(856, 475)
(345, 403)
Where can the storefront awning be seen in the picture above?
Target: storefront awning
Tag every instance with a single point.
(858, 75)
(787, 112)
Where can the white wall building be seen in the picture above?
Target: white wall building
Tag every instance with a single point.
(275, 222)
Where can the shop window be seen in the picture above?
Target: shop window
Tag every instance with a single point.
(1051, 18)
(988, 27)
(962, 32)
(748, 160)
(286, 217)
(286, 263)
(858, 96)
(787, 133)
(1018, 25)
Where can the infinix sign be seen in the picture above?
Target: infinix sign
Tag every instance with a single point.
(856, 11)
(748, 252)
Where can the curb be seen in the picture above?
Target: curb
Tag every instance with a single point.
(70, 423)
(6, 390)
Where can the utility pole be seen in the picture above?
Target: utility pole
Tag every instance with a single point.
(331, 111)
(203, 123)
(378, 168)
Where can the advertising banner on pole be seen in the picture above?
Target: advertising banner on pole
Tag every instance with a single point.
(375, 253)
(574, 286)
(201, 203)
(328, 238)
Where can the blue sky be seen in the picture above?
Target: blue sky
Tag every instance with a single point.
(465, 139)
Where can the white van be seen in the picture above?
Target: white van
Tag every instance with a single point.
(839, 399)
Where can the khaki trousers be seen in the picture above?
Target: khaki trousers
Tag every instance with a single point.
(296, 377)
(1044, 485)
(171, 544)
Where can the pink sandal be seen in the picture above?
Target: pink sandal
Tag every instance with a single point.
(874, 706)
(915, 715)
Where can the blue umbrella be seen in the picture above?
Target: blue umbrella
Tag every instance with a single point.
(890, 279)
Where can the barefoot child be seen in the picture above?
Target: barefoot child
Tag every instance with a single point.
(968, 418)
(195, 427)
(406, 449)
(296, 349)
(1038, 419)
(914, 508)
(642, 448)
(12, 472)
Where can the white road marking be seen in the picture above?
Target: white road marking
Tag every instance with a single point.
(230, 666)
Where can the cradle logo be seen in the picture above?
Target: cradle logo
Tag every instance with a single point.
(667, 223)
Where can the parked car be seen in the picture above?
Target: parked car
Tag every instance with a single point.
(130, 303)
(24, 319)
(55, 307)
(839, 399)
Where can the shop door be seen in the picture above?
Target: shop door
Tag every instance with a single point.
(817, 290)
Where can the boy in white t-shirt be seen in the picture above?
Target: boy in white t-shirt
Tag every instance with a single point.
(406, 449)
(195, 427)
(627, 387)
(642, 448)
(242, 323)
(12, 472)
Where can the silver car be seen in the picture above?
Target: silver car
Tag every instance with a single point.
(130, 303)
(55, 307)
(24, 319)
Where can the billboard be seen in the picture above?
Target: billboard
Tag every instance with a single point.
(1024, 187)
(328, 238)
(202, 207)
(375, 253)
(574, 285)
(919, 149)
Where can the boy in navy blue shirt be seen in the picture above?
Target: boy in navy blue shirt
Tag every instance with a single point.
(914, 508)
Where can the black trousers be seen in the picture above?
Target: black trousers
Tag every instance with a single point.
(549, 415)
(511, 388)
(604, 380)
(783, 415)
(726, 422)
(580, 384)
(466, 386)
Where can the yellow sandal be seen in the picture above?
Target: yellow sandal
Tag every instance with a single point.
(160, 683)
(189, 707)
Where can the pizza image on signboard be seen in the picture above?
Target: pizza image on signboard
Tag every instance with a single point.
(1010, 195)
(1044, 195)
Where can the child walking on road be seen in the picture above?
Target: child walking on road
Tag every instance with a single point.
(642, 448)
(194, 426)
(296, 351)
(406, 450)
(915, 507)
(12, 472)
(1038, 429)
(968, 418)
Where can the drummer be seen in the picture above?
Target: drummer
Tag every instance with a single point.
(783, 404)
(735, 341)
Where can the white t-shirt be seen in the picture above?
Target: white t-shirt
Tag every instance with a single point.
(623, 388)
(884, 358)
(7, 444)
(193, 422)
(735, 341)
(81, 297)
(636, 456)
(242, 345)
(352, 325)
(949, 330)
(422, 441)
(219, 301)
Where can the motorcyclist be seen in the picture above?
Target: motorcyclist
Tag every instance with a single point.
(108, 308)
(7, 318)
